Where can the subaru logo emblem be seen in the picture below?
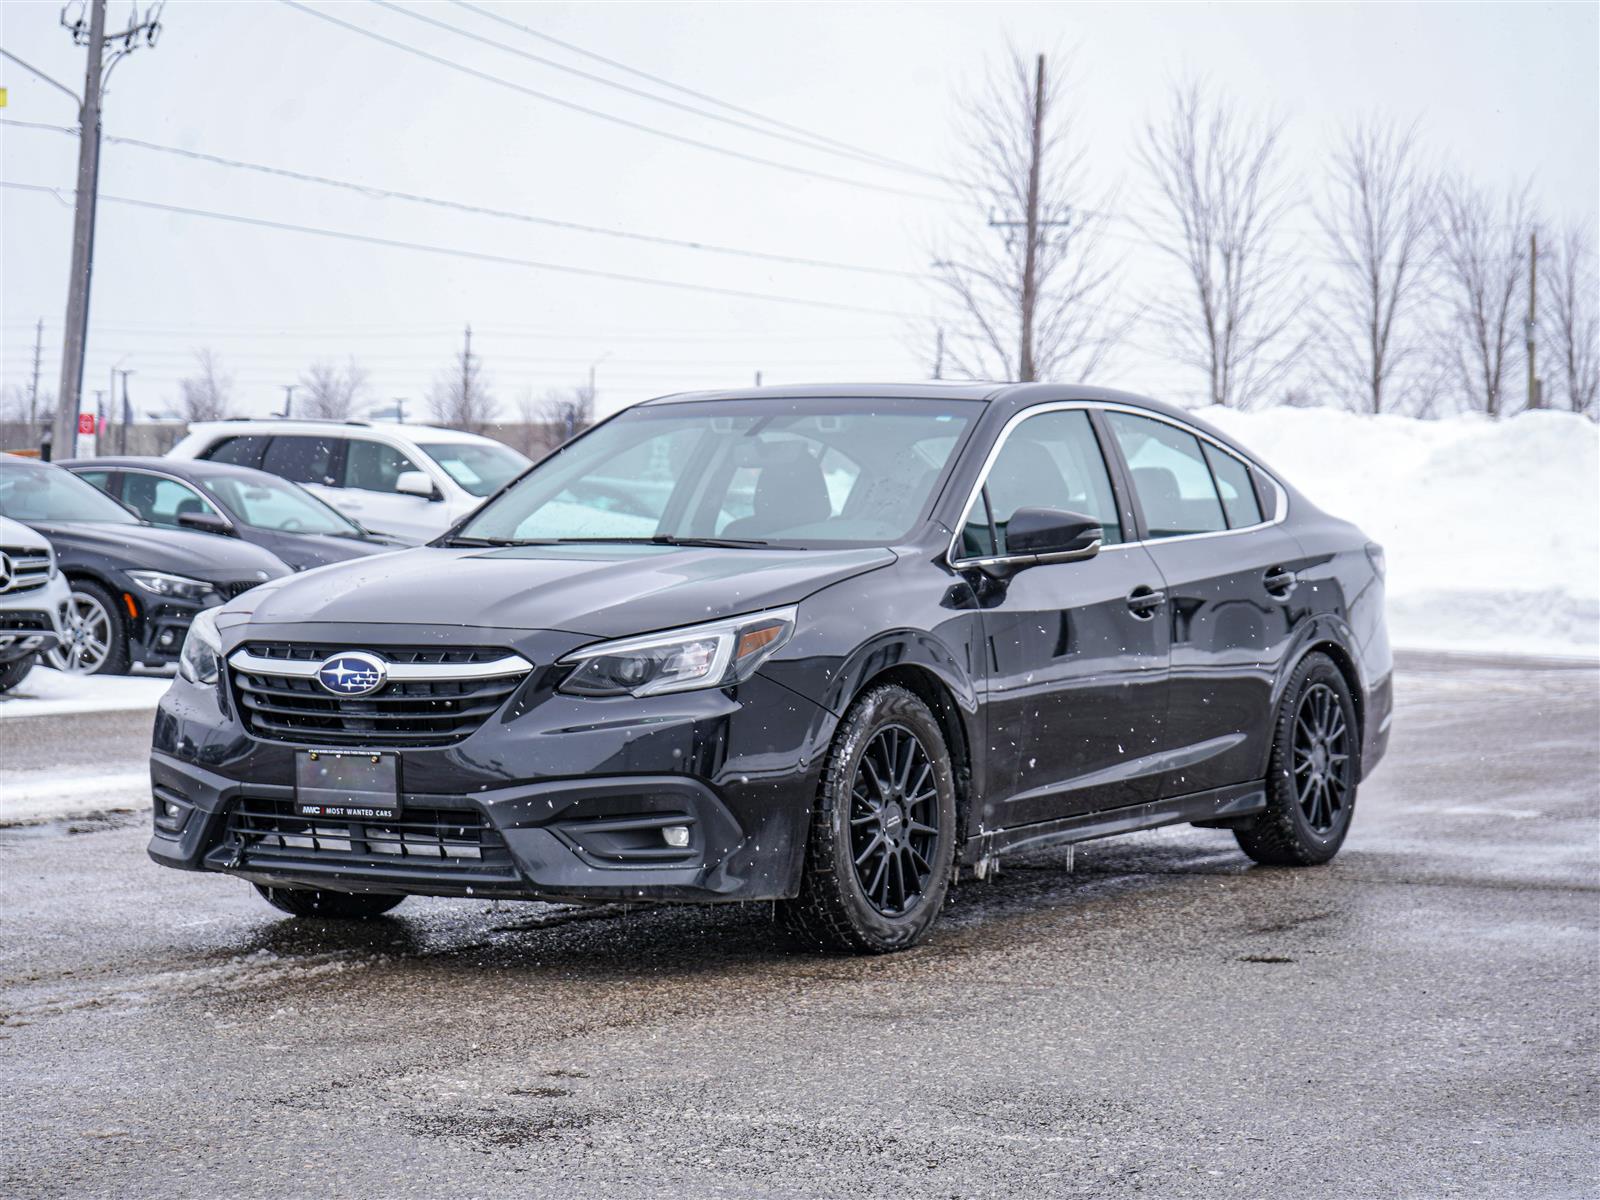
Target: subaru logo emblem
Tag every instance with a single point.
(352, 673)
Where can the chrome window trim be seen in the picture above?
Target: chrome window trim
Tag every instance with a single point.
(511, 664)
(1280, 494)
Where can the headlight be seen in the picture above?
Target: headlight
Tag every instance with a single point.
(701, 656)
(200, 661)
(180, 587)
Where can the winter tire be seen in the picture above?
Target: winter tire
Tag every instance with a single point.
(13, 673)
(882, 840)
(331, 906)
(1312, 774)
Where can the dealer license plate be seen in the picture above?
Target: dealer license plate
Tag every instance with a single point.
(332, 783)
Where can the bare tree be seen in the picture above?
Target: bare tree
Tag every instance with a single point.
(460, 397)
(1029, 291)
(1484, 255)
(1222, 197)
(1571, 318)
(1379, 226)
(207, 395)
(332, 392)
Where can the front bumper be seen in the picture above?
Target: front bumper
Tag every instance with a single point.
(30, 621)
(567, 801)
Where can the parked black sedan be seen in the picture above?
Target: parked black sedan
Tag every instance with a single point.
(135, 588)
(840, 644)
(240, 502)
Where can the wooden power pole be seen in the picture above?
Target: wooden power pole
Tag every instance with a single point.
(1030, 260)
(1535, 391)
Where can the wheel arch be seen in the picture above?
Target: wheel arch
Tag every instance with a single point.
(933, 691)
(1324, 639)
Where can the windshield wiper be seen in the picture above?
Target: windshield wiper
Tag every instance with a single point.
(667, 539)
(462, 540)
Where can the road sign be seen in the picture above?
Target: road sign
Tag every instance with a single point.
(86, 424)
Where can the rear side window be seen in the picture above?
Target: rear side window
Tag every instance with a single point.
(1235, 485)
(1170, 476)
(240, 451)
(1050, 461)
(374, 466)
(301, 459)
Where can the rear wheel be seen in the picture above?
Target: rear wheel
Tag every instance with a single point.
(1311, 785)
(95, 638)
(14, 672)
(334, 906)
(882, 840)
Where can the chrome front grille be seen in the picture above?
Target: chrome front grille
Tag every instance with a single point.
(30, 569)
(433, 696)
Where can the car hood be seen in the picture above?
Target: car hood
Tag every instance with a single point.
(303, 551)
(609, 591)
(144, 547)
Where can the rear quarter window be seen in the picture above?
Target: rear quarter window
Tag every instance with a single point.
(242, 451)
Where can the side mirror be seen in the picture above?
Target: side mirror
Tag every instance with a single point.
(415, 483)
(1054, 534)
(204, 522)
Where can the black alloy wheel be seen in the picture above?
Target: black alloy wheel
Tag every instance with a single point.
(881, 850)
(1313, 772)
(894, 820)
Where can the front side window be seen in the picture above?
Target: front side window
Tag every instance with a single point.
(482, 468)
(781, 472)
(30, 492)
(1052, 460)
(268, 503)
(300, 459)
(161, 501)
(374, 466)
(1170, 476)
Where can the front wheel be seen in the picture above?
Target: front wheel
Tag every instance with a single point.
(15, 671)
(335, 906)
(882, 840)
(95, 640)
(1311, 782)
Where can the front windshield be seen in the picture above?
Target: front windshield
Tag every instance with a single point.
(780, 472)
(483, 468)
(33, 492)
(268, 503)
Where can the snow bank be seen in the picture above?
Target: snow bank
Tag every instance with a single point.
(1491, 528)
(28, 796)
(46, 692)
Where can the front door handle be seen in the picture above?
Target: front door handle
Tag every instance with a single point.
(1143, 601)
(1279, 582)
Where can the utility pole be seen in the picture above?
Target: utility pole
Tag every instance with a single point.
(466, 373)
(33, 384)
(1033, 226)
(127, 412)
(288, 399)
(1535, 391)
(97, 70)
(400, 409)
(938, 355)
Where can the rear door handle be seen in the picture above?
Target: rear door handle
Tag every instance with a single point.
(1143, 601)
(1279, 582)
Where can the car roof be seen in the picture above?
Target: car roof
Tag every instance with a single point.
(190, 468)
(1015, 395)
(341, 429)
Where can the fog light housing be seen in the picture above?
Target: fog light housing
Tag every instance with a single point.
(171, 815)
(676, 836)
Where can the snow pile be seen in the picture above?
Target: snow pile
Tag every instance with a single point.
(45, 692)
(1491, 528)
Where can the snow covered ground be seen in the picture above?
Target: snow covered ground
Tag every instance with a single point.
(1491, 529)
(46, 692)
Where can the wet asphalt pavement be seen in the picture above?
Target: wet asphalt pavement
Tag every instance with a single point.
(1418, 1019)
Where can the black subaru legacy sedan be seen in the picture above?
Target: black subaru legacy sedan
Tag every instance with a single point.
(823, 646)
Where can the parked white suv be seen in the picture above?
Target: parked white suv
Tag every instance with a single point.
(33, 594)
(411, 482)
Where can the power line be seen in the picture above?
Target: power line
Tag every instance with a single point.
(374, 192)
(605, 116)
(687, 91)
(809, 142)
(456, 252)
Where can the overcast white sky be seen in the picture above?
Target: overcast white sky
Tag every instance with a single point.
(1505, 92)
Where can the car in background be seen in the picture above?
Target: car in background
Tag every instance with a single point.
(33, 599)
(411, 482)
(251, 505)
(133, 588)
